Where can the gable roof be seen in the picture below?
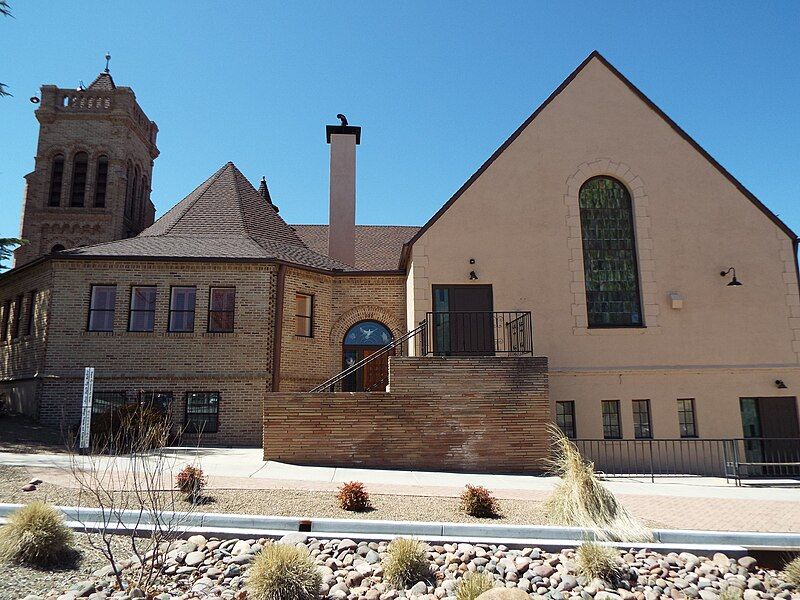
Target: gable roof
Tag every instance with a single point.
(378, 247)
(224, 218)
(596, 55)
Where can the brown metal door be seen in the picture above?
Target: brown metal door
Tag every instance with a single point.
(778, 418)
(467, 326)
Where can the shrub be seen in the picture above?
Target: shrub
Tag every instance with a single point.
(121, 427)
(283, 572)
(406, 562)
(477, 501)
(731, 593)
(792, 572)
(596, 561)
(191, 481)
(473, 584)
(353, 496)
(581, 500)
(35, 534)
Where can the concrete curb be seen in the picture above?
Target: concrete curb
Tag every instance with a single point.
(546, 537)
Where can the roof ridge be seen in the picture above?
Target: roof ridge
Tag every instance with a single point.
(238, 193)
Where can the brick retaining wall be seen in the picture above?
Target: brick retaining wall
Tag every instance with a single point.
(455, 414)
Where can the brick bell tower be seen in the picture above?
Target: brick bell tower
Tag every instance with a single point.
(94, 166)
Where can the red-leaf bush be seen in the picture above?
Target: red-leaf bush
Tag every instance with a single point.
(353, 496)
(477, 501)
(191, 481)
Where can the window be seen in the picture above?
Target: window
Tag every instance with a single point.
(6, 325)
(101, 308)
(612, 429)
(642, 429)
(139, 199)
(181, 309)
(128, 189)
(135, 192)
(160, 401)
(57, 248)
(56, 180)
(304, 315)
(101, 182)
(80, 166)
(143, 308)
(202, 412)
(686, 418)
(17, 316)
(221, 302)
(105, 401)
(565, 418)
(609, 254)
(31, 313)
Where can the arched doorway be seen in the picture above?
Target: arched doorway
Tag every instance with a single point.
(362, 340)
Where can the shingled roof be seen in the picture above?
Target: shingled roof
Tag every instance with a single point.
(103, 82)
(225, 217)
(378, 247)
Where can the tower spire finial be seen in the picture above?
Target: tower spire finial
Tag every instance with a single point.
(108, 60)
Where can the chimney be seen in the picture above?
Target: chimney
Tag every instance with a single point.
(342, 229)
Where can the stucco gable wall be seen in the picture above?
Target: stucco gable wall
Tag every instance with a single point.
(519, 220)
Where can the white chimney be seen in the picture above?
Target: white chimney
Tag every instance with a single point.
(342, 229)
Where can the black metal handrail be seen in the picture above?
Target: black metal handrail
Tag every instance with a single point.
(396, 347)
(478, 333)
(712, 457)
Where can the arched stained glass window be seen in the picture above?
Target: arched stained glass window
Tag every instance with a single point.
(101, 182)
(609, 254)
(368, 333)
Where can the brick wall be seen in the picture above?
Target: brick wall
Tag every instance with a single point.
(339, 303)
(458, 414)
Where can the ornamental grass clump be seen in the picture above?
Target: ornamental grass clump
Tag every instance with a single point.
(581, 500)
(352, 496)
(792, 572)
(283, 572)
(477, 501)
(406, 563)
(35, 535)
(731, 593)
(191, 481)
(596, 561)
(473, 584)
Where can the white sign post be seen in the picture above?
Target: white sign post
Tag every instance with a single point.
(86, 409)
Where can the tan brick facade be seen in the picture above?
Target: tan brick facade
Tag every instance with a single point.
(100, 123)
(441, 413)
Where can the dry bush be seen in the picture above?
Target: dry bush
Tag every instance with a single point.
(791, 571)
(191, 481)
(731, 593)
(123, 427)
(126, 475)
(581, 500)
(596, 561)
(283, 572)
(36, 535)
(477, 501)
(406, 562)
(353, 496)
(473, 584)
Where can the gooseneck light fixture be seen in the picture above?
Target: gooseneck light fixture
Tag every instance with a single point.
(733, 281)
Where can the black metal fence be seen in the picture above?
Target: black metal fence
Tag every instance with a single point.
(731, 458)
(478, 333)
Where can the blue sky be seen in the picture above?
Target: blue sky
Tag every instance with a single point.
(436, 86)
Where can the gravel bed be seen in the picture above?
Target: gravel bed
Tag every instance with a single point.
(212, 569)
(295, 503)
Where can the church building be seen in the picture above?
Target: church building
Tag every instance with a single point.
(600, 270)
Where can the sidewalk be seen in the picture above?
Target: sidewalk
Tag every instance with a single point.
(688, 502)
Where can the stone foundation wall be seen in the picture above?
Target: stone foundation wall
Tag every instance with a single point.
(454, 414)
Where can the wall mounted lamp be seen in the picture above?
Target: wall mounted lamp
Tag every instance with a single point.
(780, 385)
(733, 281)
(472, 276)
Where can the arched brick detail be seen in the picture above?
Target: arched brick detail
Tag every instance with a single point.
(644, 242)
(365, 313)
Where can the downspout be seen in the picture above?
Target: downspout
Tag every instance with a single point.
(276, 342)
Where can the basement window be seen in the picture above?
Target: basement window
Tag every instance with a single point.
(202, 412)
(304, 315)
